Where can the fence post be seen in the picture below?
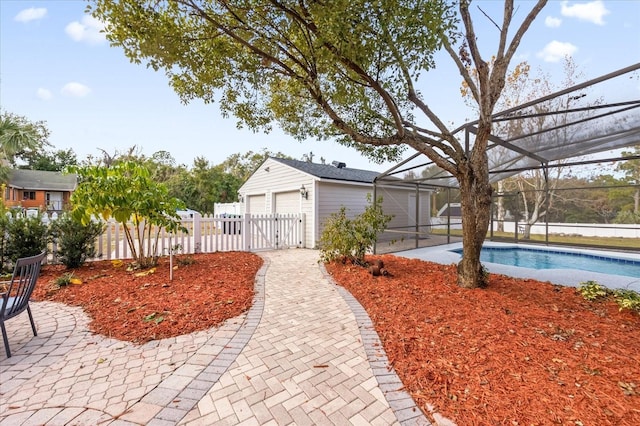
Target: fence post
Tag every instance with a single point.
(301, 230)
(197, 232)
(245, 231)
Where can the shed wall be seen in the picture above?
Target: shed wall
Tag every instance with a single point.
(280, 185)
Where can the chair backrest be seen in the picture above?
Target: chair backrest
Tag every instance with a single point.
(23, 281)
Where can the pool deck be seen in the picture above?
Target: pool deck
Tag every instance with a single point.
(567, 277)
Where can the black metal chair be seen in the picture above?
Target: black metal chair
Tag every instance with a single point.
(15, 298)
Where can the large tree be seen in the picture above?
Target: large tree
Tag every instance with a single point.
(19, 138)
(631, 169)
(53, 161)
(242, 166)
(347, 69)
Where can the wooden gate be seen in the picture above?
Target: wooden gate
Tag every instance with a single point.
(274, 231)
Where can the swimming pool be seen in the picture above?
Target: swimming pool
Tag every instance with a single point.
(554, 259)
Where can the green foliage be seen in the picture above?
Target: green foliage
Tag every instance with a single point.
(592, 290)
(25, 236)
(126, 192)
(76, 241)
(631, 168)
(4, 235)
(18, 138)
(185, 260)
(345, 70)
(64, 279)
(349, 239)
(352, 58)
(51, 161)
(626, 299)
(627, 216)
(242, 166)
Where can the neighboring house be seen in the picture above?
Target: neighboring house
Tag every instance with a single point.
(38, 189)
(318, 190)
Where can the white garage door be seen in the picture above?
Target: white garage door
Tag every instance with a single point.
(287, 202)
(255, 204)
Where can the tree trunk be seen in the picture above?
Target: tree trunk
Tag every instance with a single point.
(475, 201)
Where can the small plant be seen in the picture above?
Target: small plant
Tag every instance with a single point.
(627, 299)
(154, 317)
(185, 260)
(65, 279)
(349, 239)
(592, 290)
(485, 272)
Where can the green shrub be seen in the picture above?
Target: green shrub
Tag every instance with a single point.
(76, 242)
(349, 239)
(26, 236)
(4, 238)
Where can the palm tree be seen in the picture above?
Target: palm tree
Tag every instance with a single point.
(17, 137)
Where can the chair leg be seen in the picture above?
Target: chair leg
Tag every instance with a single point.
(6, 341)
(33, 325)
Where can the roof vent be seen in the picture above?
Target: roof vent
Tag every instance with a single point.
(338, 164)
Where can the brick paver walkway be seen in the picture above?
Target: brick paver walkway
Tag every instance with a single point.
(305, 353)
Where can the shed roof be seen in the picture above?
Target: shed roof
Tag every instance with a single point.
(329, 171)
(41, 180)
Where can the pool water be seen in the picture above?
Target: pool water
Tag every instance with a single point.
(550, 259)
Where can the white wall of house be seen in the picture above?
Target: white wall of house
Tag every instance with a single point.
(332, 196)
(275, 188)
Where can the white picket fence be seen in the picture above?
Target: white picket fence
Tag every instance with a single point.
(208, 234)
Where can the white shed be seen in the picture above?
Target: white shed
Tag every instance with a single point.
(318, 190)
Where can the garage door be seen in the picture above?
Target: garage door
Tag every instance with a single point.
(255, 204)
(287, 202)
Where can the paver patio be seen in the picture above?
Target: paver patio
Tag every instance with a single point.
(305, 353)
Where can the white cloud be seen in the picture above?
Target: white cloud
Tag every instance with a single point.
(76, 90)
(556, 51)
(31, 14)
(592, 11)
(44, 94)
(552, 22)
(88, 30)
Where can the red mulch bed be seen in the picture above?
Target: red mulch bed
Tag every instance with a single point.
(132, 306)
(520, 352)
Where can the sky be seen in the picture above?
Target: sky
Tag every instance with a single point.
(56, 66)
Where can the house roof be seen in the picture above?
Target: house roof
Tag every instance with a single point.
(42, 180)
(329, 171)
(452, 209)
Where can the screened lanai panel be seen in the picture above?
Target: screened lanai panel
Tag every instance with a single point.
(597, 116)
(569, 134)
